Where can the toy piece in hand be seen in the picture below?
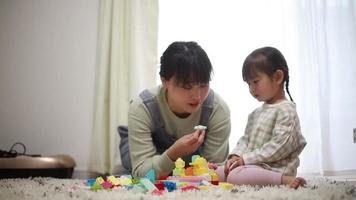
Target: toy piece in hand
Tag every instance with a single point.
(199, 127)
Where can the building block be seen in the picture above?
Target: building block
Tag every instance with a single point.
(148, 184)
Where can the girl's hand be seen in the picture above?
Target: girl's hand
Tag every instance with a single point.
(186, 145)
(233, 162)
(212, 166)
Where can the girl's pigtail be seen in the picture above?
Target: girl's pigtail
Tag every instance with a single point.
(287, 88)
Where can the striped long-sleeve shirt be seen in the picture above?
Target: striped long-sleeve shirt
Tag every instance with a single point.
(272, 138)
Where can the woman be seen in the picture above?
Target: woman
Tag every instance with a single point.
(183, 101)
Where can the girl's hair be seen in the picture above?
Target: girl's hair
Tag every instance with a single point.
(188, 62)
(266, 60)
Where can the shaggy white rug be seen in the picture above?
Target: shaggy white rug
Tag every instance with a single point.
(60, 189)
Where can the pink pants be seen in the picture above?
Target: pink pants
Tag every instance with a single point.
(250, 175)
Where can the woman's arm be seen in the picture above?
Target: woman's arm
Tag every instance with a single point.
(216, 143)
(143, 152)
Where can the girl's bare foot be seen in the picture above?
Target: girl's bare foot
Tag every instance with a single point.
(298, 181)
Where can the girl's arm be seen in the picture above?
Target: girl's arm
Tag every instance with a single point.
(241, 145)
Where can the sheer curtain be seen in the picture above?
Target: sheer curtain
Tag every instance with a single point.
(318, 41)
(324, 50)
(126, 64)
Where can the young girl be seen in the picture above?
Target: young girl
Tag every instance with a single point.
(268, 152)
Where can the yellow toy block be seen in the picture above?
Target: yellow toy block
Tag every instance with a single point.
(204, 187)
(125, 181)
(113, 180)
(214, 176)
(100, 180)
(200, 166)
(178, 172)
(179, 163)
(182, 184)
(226, 186)
(179, 169)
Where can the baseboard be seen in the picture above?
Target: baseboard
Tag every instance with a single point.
(331, 173)
(340, 173)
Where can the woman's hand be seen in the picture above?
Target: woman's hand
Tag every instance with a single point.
(186, 145)
(233, 162)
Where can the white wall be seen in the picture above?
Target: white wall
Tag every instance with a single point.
(47, 68)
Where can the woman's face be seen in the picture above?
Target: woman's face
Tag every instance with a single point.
(184, 99)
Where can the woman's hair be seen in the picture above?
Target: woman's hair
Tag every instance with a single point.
(266, 60)
(188, 62)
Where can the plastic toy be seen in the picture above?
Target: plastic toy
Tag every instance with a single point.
(198, 171)
(113, 180)
(106, 185)
(189, 188)
(199, 175)
(151, 175)
(199, 127)
(226, 186)
(148, 184)
(179, 169)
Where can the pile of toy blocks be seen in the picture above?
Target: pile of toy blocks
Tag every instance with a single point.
(200, 175)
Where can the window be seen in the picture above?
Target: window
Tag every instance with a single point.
(228, 31)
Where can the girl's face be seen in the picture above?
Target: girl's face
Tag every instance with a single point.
(266, 88)
(184, 99)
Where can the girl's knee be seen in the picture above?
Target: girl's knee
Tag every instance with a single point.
(253, 175)
(235, 176)
(221, 173)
